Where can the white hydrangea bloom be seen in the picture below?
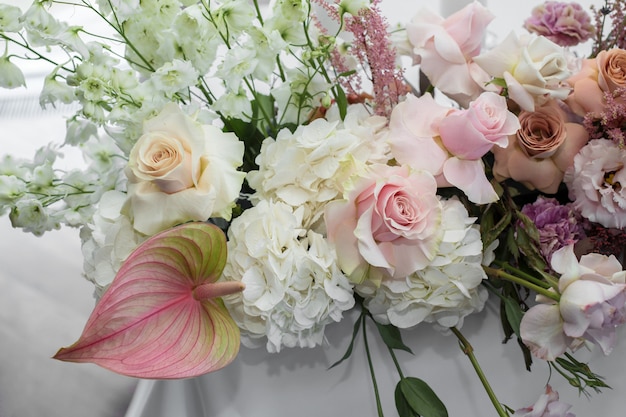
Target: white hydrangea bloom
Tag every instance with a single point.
(308, 167)
(294, 287)
(443, 293)
(107, 241)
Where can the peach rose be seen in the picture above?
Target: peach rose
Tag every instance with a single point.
(540, 152)
(180, 170)
(605, 73)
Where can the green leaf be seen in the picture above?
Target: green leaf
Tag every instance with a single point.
(402, 405)
(421, 398)
(392, 337)
(342, 101)
(513, 313)
(355, 332)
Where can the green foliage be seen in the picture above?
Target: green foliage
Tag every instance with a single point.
(414, 397)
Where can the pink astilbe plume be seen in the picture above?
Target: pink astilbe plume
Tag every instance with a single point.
(615, 35)
(374, 50)
(609, 124)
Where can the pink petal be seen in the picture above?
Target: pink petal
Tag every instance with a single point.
(154, 320)
(469, 177)
(541, 330)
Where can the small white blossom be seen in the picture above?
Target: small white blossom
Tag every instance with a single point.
(30, 215)
(10, 74)
(173, 77)
(10, 18)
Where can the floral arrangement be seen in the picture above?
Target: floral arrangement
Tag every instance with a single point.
(254, 172)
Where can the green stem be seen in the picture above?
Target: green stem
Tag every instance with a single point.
(468, 350)
(379, 406)
(525, 275)
(499, 273)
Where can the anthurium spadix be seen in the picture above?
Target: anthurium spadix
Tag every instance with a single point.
(162, 316)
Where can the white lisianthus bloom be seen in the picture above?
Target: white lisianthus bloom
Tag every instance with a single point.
(447, 290)
(294, 287)
(107, 240)
(533, 67)
(10, 74)
(308, 167)
(180, 170)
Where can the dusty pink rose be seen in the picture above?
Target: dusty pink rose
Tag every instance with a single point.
(605, 73)
(421, 130)
(596, 181)
(445, 47)
(388, 225)
(471, 133)
(543, 148)
(566, 24)
(592, 304)
(547, 405)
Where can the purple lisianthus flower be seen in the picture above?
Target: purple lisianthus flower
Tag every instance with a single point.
(565, 24)
(558, 225)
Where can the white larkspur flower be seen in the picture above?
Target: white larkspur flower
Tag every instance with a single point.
(173, 77)
(10, 74)
(447, 290)
(10, 18)
(30, 215)
(294, 287)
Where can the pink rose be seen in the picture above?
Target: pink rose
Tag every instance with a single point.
(543, 148)
(592, 304)
(388, 225)
(417, 139)
(605, 73)
(412, 127)
(445, 47)
(471, 133)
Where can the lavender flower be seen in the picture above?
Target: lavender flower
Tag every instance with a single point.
(558, 225)
(565, 24)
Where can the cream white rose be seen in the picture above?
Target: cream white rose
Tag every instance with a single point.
(534, 68)
(180, 170)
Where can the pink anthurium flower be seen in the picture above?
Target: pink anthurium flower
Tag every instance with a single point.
(162, 316)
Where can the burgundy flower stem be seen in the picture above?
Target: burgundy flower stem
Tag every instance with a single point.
(468, 350)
